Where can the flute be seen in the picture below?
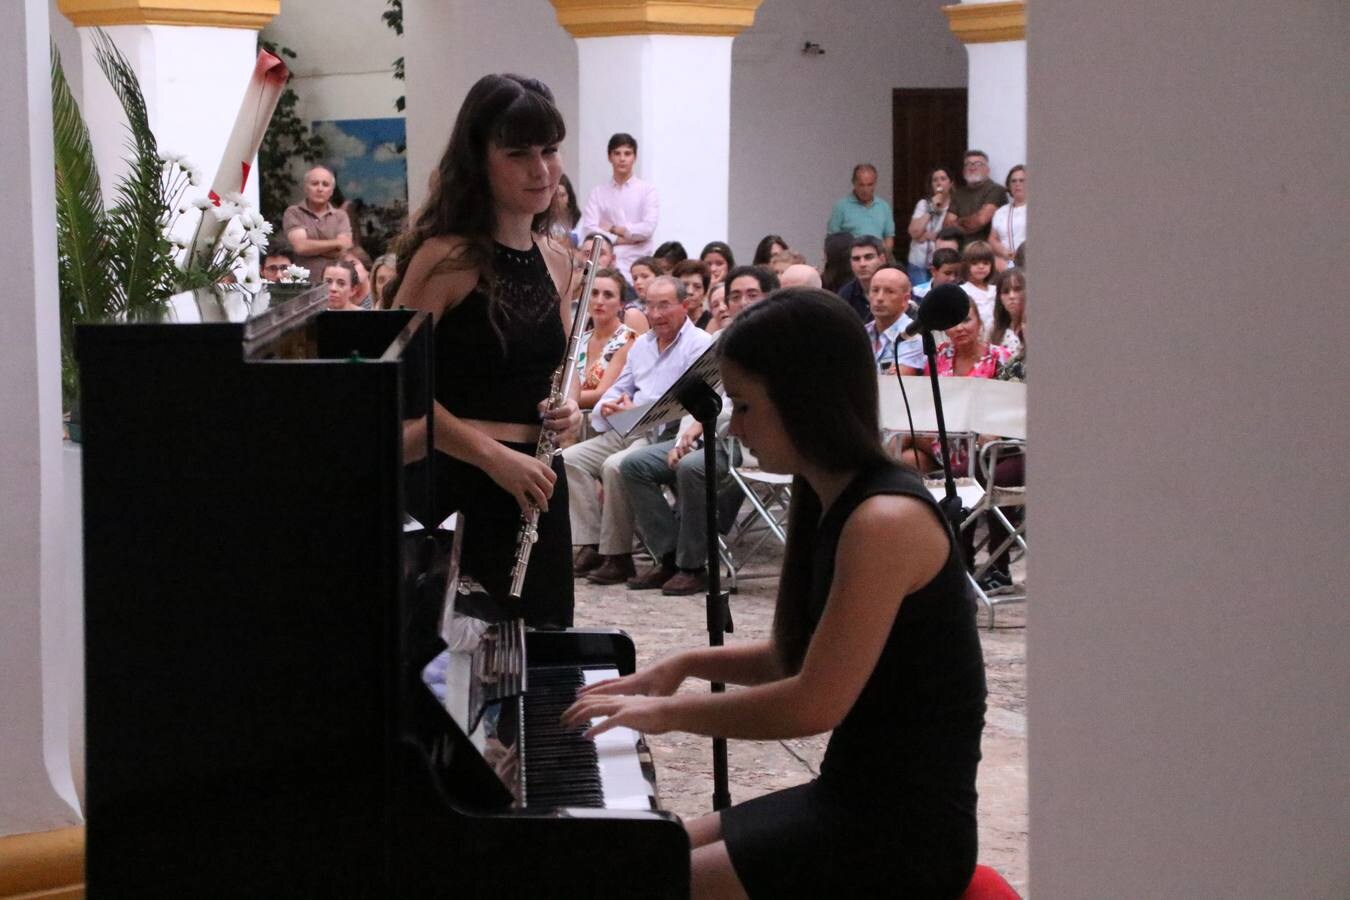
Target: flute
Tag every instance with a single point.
(547, 446)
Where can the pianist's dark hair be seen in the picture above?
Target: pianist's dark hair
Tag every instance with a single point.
(510, 111)
(810, 351)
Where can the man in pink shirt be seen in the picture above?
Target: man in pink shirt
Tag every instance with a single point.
(625, 208)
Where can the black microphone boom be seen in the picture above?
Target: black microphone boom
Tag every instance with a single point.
(941, 308)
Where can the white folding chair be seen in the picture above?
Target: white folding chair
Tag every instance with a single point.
(1002, 410)
(769, 496)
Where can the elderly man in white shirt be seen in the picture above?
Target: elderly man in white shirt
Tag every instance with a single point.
(656, 361)
(625, 209)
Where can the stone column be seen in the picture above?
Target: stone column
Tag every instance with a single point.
(995, 39)
(660, 71)
(36, 782)
(194, 59)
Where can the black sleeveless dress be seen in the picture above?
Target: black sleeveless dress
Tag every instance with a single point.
(893, 812)
(500, 374)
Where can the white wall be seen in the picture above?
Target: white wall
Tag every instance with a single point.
(1189, 716)
(800, 123)
(450, 44)
(997, 112)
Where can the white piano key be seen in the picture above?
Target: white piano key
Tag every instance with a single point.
(620, 772)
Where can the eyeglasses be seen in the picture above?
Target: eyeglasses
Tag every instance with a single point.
(275, 267)
(665, 306)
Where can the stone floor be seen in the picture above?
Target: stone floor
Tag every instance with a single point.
(661, 625)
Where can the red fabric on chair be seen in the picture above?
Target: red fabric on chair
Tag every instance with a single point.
(987, 884)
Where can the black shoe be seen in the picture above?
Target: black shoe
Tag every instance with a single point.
(588, 559)
(616, 570)
(995, 582)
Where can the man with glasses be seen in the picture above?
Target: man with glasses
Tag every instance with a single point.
(276, 262)
(655, 361)
(678, 538)
(975, 202)
(862, 212)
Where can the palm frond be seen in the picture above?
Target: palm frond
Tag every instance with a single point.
(144, 272)
(82, 262)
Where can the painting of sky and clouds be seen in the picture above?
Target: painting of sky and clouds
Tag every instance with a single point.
(369, 158)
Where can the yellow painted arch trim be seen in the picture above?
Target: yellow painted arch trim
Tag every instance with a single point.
(46, 864)
(611, 18)
(987, 23)
(252, 14)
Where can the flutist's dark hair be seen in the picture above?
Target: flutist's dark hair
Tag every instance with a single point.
(506, 110)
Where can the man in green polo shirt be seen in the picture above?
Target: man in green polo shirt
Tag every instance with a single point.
(863, 212)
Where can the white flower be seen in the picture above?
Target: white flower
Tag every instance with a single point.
(169, 156)
(203, 203)
(231, 242)
(225, 212)
(266, 226)
(237, 199)
(194, 177)
(296, 273)
(257, 238)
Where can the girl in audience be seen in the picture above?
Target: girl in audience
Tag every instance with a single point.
(766, 248)
(565, 213)
(719, 259)
(880, 648)
(1010, 311)
(977, 266)
(643, 270)
(1008, 228)
(930, 214)
(965, 354)
(380, 275)
(838, 270)
(605, 347)
(339, 277)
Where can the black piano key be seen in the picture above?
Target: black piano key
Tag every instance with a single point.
(561, 766)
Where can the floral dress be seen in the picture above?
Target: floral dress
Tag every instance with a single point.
(987, 366)
(591, 371)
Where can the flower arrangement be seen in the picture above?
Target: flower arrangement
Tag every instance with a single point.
(125, 262)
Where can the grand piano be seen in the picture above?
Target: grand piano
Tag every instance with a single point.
(291, 689)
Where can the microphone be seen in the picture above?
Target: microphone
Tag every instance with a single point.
(944, 306)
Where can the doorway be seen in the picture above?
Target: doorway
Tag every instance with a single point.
(928, 128)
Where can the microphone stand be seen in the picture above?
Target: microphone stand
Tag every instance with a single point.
(704, 403)
(951, 503)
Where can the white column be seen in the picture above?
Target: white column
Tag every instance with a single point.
(673, 94)
(997, 104)
(193, 79)
(37, 791)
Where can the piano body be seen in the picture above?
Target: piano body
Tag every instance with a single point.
(286, 691)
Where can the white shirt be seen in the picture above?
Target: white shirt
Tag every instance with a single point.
(984, 302)
(632, 205)
(649, 371)
(1010, 224)
(886, 349)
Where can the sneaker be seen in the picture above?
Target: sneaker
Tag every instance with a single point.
(682, 584)
(588, 559)
(615, 570)
(995, 582)
(653, 578)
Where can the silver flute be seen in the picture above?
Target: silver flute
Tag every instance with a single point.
(548, 440)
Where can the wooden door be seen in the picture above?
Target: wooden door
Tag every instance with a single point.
(928, 128)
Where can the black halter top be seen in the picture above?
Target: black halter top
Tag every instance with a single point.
(501, 373)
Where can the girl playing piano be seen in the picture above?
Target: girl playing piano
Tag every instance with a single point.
(874, 638)
(478, 257)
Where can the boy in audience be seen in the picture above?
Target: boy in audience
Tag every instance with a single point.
(276, 262)
(944, 269)
(867, 255)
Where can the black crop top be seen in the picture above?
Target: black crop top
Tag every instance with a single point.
(481, 374)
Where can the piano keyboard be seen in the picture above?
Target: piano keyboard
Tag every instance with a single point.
(561, 767)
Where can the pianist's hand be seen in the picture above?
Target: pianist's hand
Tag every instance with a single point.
(523, 477)
(660, 679)
(649, 715)
(563, 419)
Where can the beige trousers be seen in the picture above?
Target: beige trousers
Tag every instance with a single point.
(591, 464)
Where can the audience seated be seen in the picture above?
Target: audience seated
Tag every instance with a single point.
(361, 293)
(719, 258)
(276, 262)
(1010, 311)
(977, 267)
(768, 245)
(717, 305)
(799, 275)
(866, 255)
(1008, 228)
(696, 276)
(604, 531)
(678, 538)
(888, 298)
(967, 354)
(565, 214)
(339, 276)
(604, 349)
(644, 269)
(784, 258)
(944, 269)
(670, 253)
(380, 275)
(837, 271)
